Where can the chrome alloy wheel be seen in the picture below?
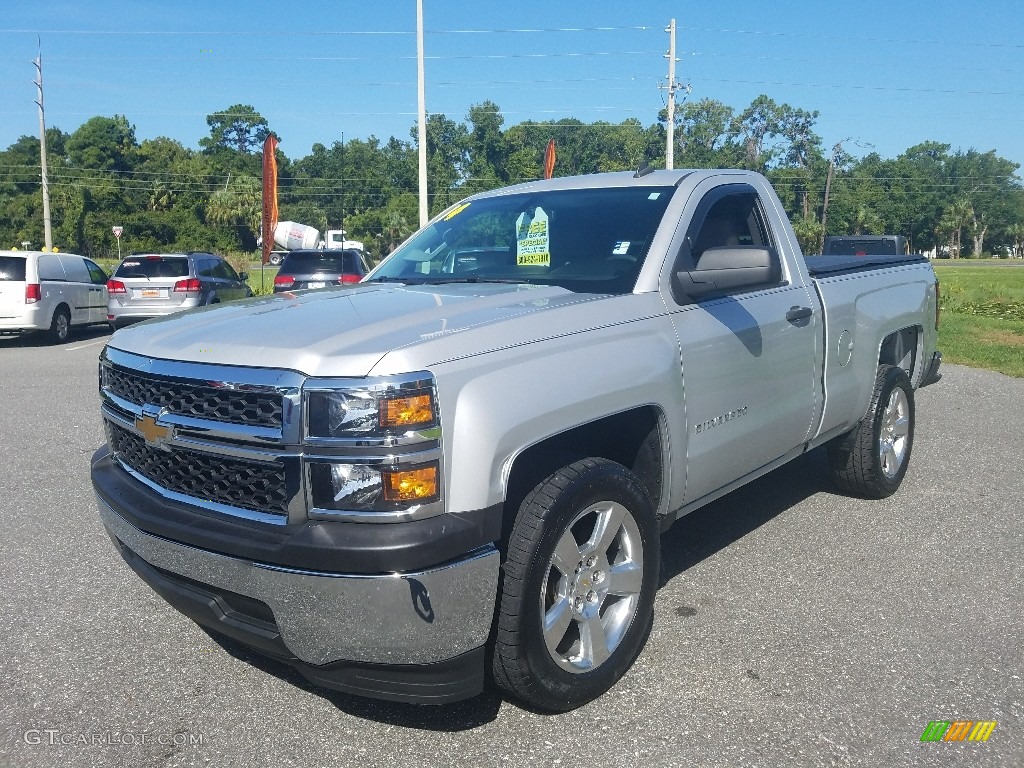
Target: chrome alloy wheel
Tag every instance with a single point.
(592, 587)
(894, 438)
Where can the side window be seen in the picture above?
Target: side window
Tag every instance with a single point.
(74, 269)
(735, 219)
(96, 274)
(728, 247)
(206, 268)
(225, 270)
(50, 268)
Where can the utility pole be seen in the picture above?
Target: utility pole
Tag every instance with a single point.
(422, 113)
(670, 143)
(47, 233)
(672, 87)
(341, 224)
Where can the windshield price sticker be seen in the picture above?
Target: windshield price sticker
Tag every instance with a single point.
(455, 211)
(532, 240)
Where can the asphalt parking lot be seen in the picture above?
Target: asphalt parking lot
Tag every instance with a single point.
(794, 627)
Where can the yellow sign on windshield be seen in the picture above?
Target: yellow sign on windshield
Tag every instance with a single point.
(533, 240)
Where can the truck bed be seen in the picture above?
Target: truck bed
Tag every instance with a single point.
(827, 266)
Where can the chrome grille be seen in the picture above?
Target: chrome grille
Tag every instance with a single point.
(236, 482)
(235, 406)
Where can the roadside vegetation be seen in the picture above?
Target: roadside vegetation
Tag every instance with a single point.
(982, 320)
(168, 196)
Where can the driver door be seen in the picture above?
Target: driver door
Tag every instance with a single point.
(747, 369)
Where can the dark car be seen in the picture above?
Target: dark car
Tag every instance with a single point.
(157, 284)
(319, 269)
(866, 245)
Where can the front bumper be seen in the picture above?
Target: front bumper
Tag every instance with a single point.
(415, 636)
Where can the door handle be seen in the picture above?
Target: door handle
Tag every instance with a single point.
(796, 314)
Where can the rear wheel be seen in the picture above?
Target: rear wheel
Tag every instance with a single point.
(872, 460)
(579, 582)
(60, 325)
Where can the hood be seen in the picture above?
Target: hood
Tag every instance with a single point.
(341, 331)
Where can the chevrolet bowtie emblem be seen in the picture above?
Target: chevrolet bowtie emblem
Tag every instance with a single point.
(154, 434)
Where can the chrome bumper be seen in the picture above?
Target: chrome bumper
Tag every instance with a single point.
(399, 618)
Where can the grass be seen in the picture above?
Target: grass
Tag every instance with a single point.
(262, 285)
(982, 323)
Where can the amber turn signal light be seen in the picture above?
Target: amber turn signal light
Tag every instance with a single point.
(412, 411)
(411, 484)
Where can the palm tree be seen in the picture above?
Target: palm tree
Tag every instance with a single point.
(1016, 231)
(808, 232)
(238, 204)
(396, 229)
(957, 215)
(865, 220)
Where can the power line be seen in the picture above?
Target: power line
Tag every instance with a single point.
(305, 33)
(858, 38)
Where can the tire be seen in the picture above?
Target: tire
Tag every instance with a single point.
(275, 259)
(577, 595)
(872, 460)
(60, 325)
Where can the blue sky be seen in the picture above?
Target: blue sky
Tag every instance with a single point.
(883, 75)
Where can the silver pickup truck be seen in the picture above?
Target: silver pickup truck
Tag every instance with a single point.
(463, 464)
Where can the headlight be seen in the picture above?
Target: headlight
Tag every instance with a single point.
(374, 410)
(346, 487)
(373, 448)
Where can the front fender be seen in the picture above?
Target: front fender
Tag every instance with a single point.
(494, 406)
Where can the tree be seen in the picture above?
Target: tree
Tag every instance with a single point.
(752, 128)
(987, 182)
(704, 128)
(1016, 234)
(447, 160)
(958, 214)
(103, 143)
(238, 205)
(239, 127)
(485, 147)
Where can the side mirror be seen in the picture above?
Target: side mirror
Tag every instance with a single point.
(724, 270)
(243, 276)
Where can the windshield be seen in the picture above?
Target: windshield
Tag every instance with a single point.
(585, 240)
(153, 266)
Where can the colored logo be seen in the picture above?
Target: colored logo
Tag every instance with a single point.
(153, 433)
(958, 730)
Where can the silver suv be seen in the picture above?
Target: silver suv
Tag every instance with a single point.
(156, 284)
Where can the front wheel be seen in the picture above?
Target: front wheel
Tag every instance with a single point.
(872, 460)
(579, 582)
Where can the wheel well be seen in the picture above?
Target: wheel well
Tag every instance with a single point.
(899, 348)
(631, 438)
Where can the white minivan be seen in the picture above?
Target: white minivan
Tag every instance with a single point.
(50, 292)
